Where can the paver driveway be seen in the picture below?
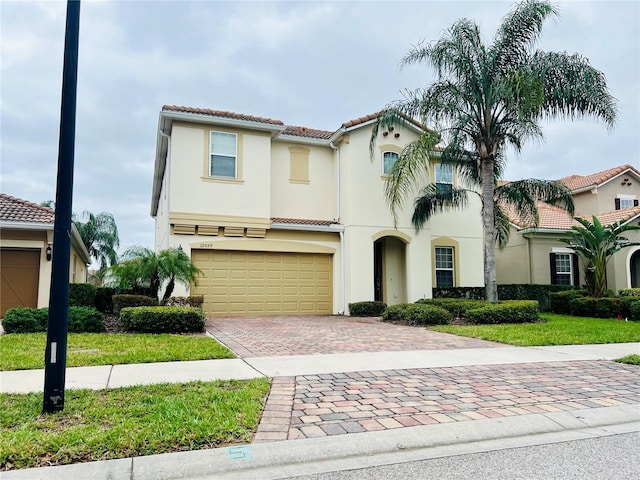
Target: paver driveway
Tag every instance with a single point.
(309, 335)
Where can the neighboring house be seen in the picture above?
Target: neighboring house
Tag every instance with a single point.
(534, 254)
(26, 246)
(285, 219)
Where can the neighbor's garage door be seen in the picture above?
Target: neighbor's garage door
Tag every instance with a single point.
(263, 283)
(19, 270)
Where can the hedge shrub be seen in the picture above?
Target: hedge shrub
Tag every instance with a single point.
(507, 311)
(471, 293)
(82, 295)
(629, 292)
(417, 314)
(104, 300)
(162, 319)
(456, 306)
(124, 301)
(605, 307)
(626, 306)
(560, 300)
(635, 311)
(367, 309)
(25, 320)
(30, 320)
(195, 301)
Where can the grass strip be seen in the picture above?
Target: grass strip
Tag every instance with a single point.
(633, 359)
(125, 422)
(21, 351)
(554, 330)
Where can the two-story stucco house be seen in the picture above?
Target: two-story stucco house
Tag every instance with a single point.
(286, 219)
(612, 195)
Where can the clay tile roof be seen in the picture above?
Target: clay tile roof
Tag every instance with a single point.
(14, 209)
(221, 114)
(576, 182)
(307, 132)
(618, 215)
(373, 116)
(302, 221)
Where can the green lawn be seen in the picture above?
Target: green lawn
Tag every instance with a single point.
(555, 330)
(20, 351)
(126, 422)
(633, 359)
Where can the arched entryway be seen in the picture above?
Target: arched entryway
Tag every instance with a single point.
(634, 269)
(389, 270)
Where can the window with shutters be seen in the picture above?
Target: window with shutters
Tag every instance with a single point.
(625, 201)
(444, 267)
(564, 269)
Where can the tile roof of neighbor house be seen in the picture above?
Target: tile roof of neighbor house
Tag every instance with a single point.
(302, 221)
(577, 182)
(296, 131)
(14, 209)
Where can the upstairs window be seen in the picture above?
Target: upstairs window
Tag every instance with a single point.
(625, 202)
(444, 267)
(223, 155)
(444, 177)
(388, 160)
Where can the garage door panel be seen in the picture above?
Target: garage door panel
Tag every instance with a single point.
(254, 283)
(19, 277)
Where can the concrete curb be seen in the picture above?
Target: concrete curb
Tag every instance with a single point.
(276, 460)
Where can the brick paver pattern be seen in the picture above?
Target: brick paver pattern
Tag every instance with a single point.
(340, 403)
(291, 335)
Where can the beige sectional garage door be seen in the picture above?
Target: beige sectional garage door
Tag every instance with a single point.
(263, 283)
(19, 273)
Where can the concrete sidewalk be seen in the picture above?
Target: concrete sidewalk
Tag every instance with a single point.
(112, 376)
(334, 412)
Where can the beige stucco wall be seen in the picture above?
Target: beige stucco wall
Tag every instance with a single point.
(512, 262)
(602, 199)
(162, 214)
(191, 191)
(315, 199)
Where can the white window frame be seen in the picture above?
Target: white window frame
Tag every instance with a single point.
(397, 155)
(438, 173)
(448, 269)
(626, 198)
(212, 152)
(566, 259)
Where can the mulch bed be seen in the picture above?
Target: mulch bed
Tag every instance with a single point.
(112, 324)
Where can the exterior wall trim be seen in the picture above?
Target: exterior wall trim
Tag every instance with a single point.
(262, 246)
(391, 233)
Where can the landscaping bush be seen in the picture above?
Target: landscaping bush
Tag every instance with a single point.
(417, 314)
(195, 301)
(82, 295)
(626, 306)
(516, 291)
(124, 301)
(104, 300)
(456, 306)
(604, 307)
(367, 309)
(635, 311)
(629, 292)
(507, 311)
(30, 320)
(162, 319)
(560, 300)
(25, 320)
(85, 319)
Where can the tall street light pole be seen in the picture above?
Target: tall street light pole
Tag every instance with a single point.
(55, 361)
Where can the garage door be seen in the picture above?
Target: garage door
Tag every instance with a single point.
(264, 283)
(20, 271)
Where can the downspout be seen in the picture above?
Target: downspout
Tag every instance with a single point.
(166, 172)
(342, 311)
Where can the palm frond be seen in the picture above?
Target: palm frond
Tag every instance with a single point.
(436, 200)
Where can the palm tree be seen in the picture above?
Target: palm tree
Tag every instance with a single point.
(595, 244)
(490, 97)
(142, 266)
(100, 235)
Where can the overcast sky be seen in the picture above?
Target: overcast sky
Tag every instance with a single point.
(314, 64)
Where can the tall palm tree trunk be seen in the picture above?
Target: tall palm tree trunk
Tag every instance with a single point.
(488, 223)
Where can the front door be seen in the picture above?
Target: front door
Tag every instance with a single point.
(377, 271)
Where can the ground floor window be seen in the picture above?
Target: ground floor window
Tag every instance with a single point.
(564, 269)
(444, 267)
